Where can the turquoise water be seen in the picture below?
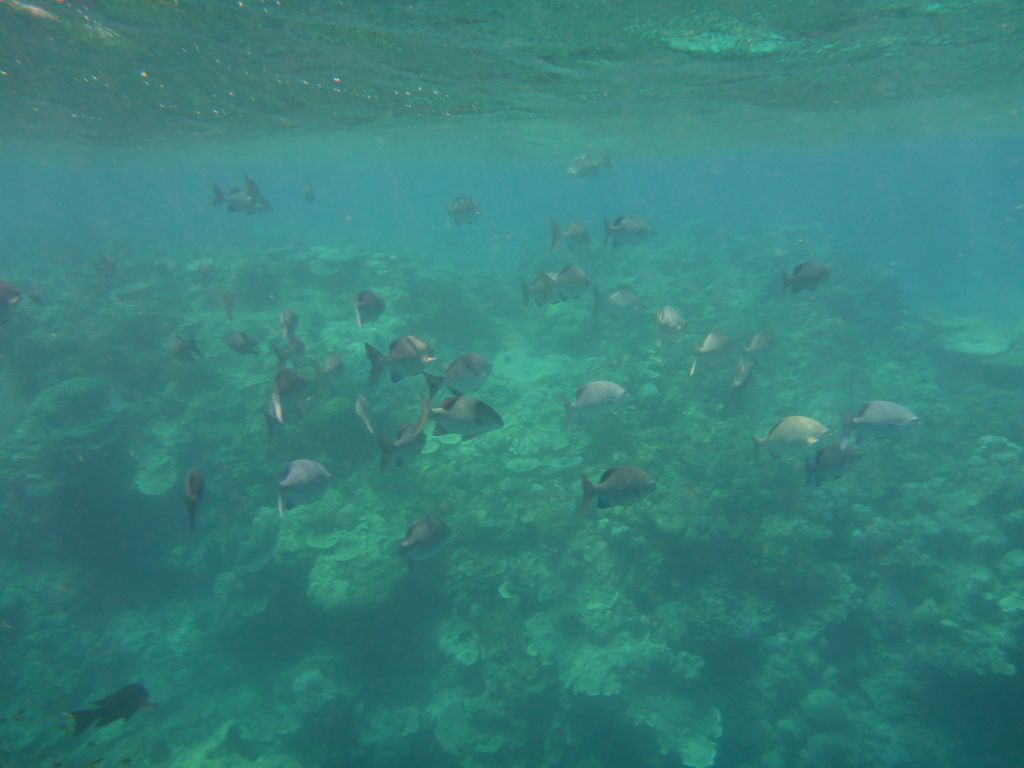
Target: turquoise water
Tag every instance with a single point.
(738, 614)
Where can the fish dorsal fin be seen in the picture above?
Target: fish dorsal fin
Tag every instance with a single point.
(608, 473)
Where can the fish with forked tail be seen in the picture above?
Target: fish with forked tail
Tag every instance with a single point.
(408, 443)
(304, 482)
(575, 236)
(406, 356)
(247, 200)
(120, 705)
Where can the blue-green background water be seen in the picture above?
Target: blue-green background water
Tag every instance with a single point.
(737, 615)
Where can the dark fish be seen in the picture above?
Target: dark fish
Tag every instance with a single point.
(120, 705)
(329, 373)
(465, 416)
(288, 322)
(627, 230)
(620, 302)
(541, 290)
(369, 307)
(408, 443)
(193, 494)
(228, 301)
(571, 283)
(462, 211)
(241, 343)
(575, 236)
(10, 297)
(618, 487)
(805, 277)
(307, 192)
(292, 352)
(304, 482)
(424, 538)
(832, 461)
(881, 418)
(468, 373)
(407, 356)
(289, 390)
(586, 167)
(247, 200)
(184, 349)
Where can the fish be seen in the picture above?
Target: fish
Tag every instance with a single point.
(462, 211)
(105, 267)
(247, 200)
(618, 487)
(571, 283)
(288, 322)
(620, 302)
(407, 356)
(228, 302)
(369, 307)
(744, 369)
(184, 348)
(328, 373)
(541, 290)
(307, 192)
(362, 409)
(713, 343)
(304, 482)
(194, 483)
(882, 418)
(424, 539)
(832, 461)
(627, 230)
(575, 236)
(586, 167)
(793, 434)
(10, 297)
(120, 705)
(670, 325)
(293, 352)
(760, 341)
(289, 390)
(805, 277)
(241, 343)
(593, 398)
(408, 443)
(465, 416)
(467, 373)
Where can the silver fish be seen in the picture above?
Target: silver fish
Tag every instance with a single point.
(619, 303)
(627, 230)
(575, 236)
(467, 373)
(618, 487)
(406, 356)
(593, 398)
(793, 434)
(805, 277)
(304, 482)
(670, 325)
(586, 167)
(881, 418)
(713, 343)
(465, 416)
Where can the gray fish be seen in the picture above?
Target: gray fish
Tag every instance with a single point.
(242, 344)
(571, 283)
(761, 341)
(793, 434)
(805, 277)
(575, 236)
(619, 303)
(407, 356)
(627, 230)
(424, 538)
(881, 418)
(462, 211)
(744, 369)
(465, 416)
(288, 322)
(293, 352)
(832, 461)
(184, 348)
(593, 398)
(247, 200)
(468, 373)
(10, 297)
(369, 307)
(618, 487)
(194, 483)
(329, 374)
(363, 412)
(586, 167)
(670, 325)
(541, 290)
(408, 443)
(714, 343)
(289, 392)
(304, 482)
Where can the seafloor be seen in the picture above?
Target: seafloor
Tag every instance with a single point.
(736, 616)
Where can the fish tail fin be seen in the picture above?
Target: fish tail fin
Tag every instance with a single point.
(376, 363)
(588, 492)
(556, 235)
(84, 718)
(433, 385)
(359, 315)
(598, 301)
(693, 368)
(607, 232)
(280, 505)
(218, 196)
(387, 452)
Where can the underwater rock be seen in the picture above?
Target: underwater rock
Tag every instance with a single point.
(683, 728)
(823, 708)
(344, 580)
